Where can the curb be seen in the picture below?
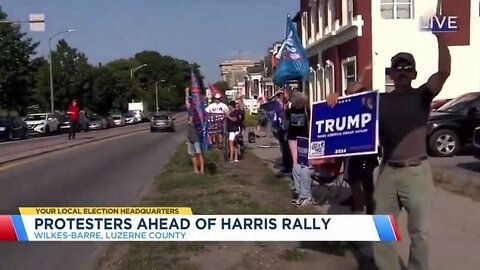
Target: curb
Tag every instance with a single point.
(3, 163)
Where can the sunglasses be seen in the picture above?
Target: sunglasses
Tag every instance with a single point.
(403, 68)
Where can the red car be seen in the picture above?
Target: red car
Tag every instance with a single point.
(438, 103)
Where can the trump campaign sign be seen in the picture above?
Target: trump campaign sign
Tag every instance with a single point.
(349, 128)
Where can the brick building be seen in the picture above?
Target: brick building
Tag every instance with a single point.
(341, 37)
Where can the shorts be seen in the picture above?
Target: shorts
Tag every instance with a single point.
(232, 135)
(194, 148)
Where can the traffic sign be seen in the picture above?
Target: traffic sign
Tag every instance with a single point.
(37, 22)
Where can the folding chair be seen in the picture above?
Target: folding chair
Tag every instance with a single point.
(329, 177)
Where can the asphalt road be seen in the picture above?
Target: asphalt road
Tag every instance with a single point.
(113, 172)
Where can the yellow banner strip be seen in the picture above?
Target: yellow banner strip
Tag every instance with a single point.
(100, 210)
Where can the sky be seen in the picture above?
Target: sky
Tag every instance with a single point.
(203, 31)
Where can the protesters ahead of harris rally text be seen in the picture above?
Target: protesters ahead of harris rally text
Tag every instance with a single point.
(405, 178)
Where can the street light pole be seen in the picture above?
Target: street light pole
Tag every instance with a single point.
(135, 69)
(52, 108)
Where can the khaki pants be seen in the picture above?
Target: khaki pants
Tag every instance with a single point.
(412, 189)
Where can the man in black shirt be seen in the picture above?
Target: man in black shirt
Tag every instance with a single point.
(297, 122)
(234, 118)
(405, 178)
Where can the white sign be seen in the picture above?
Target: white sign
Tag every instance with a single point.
(37, 22)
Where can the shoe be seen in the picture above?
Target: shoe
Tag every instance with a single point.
(347, 202)
(304, 202)
(294, 197)
(236, 161)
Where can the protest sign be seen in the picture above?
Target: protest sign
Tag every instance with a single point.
(302, 151)
(215, 123)
(350, 128)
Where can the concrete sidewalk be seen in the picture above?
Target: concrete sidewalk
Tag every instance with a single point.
(455, 223)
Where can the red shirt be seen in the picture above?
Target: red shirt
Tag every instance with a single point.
(73, 112)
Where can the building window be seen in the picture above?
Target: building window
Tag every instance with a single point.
(329, 79)
(309, 23)
(333, 13)
(304, 29)
(349, 71)
(325, 14)
(317, 18)
(349, 11)
(396, 9)
(321, 94)
(389, 86)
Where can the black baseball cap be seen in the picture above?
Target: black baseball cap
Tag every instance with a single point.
(403, 56)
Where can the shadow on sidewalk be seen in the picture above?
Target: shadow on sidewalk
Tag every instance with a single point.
(470, 166)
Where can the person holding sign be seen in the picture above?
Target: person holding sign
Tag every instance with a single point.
(359, 169)
(405, 178)
(297, 122)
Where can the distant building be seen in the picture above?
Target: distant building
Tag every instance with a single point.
(234, 71)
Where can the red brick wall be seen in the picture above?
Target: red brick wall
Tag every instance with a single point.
(462, 11)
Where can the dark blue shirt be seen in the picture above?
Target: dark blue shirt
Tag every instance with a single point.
(234, 126)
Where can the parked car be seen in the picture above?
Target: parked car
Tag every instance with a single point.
(451, 126)
(476, 143)
(13, 127)
(130, 118)
(438, 103)
(64, 123)
(162, 122)
(97, 122)
(109, 119)
(42, 123)
(118, 120)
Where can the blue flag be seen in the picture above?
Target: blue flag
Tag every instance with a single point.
(275, 113)
(293, 62)
(197, 110)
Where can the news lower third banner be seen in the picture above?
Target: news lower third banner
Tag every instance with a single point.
(179, 224)
(349, 128)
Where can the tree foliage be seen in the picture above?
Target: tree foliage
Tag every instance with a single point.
(17, 68)
(222, 86)
(25, 80)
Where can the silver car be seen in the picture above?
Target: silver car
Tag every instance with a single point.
(162, 122)
(118, 120)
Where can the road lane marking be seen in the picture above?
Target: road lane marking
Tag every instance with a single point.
(15, 163)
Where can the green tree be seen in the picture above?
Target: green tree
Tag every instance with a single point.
(17, 70)
(222, 86)
(102, 99)
(72, 77)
